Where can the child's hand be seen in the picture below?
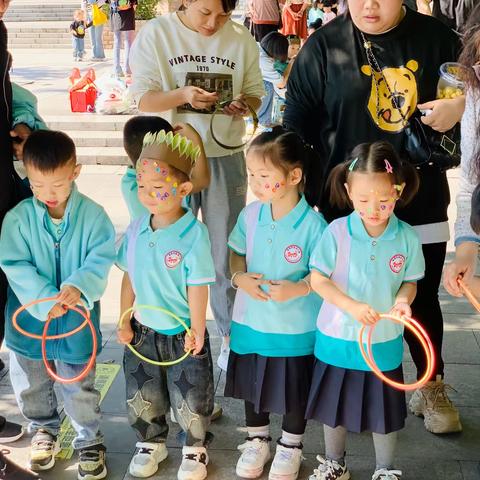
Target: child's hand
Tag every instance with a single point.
(194, 342)
(251, 284)
(364, 313)
(284, 290)
(125, 334)
(57, 310)
(401, 309)
(69, 296)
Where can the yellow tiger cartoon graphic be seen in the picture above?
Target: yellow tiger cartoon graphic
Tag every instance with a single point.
(403, 86)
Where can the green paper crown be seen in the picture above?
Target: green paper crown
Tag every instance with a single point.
(176, 141)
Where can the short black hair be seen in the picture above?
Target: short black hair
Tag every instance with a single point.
(135, 130)
(316, 24)
(275, 45)
(47, 150)
(328, 3)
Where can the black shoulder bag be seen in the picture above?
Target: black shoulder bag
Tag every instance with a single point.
(423, 145)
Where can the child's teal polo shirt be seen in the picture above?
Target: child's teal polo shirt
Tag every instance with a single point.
(162, 264)
(280, 250)
(370, 270)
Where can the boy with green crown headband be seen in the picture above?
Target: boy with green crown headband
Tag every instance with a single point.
(166, 257)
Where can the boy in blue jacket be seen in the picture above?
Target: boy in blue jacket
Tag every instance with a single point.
(57, 243)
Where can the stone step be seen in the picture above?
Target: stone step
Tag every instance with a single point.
(96, 138)
(87, 122)
(102, 156)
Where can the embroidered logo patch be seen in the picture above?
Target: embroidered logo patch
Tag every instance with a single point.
(293, 254)
(397, 262)
(173, 258)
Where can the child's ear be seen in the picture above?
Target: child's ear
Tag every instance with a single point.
(185, 189)
(296, 176)
(399, 189)
(76, 172)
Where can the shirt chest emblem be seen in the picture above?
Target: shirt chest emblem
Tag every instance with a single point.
(396, 263)
(173, 258)
(293, 254)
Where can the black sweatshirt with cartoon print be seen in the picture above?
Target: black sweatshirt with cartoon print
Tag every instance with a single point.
(332, 102)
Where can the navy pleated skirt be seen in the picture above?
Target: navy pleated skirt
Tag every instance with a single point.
(273, 384)
(356, 399)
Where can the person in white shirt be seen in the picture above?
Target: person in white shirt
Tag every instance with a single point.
(183, 64)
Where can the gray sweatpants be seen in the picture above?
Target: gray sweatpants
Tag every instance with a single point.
(221, 203)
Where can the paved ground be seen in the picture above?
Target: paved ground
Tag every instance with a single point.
(421, 455)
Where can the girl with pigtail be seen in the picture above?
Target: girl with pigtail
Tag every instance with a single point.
(365, 264)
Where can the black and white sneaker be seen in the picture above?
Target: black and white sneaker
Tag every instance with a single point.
(9, 432)
(11, 471)
(91, 464)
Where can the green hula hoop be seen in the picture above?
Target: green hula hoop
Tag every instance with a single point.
(166, 312)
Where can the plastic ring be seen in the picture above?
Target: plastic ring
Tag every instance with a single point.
(17, 327)
(421, 335)
(218, 109)
(166, 312)
(91, 362)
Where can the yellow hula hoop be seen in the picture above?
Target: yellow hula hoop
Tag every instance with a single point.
(166, 312)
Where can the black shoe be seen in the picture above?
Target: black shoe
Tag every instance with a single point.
(91, 464)
(9, 432)
(11, 471)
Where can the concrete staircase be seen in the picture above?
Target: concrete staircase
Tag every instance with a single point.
(98, 137)
(41, 12)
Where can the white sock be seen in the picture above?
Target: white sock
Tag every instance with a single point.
(259, 431)
(291, 439)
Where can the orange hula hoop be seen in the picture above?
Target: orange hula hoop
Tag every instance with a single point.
(85, 313)
(468, 294)
(421, 335)
(44, 337)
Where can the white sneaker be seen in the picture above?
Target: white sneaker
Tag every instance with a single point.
(255, 454)
(145, 461)
(216, 414)
(222, 360)
(385, 474)
(194, 464)
(330, 470)
(286, 463)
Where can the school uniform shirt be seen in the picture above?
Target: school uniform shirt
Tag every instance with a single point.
(129, 189)
(331, 102)
(267, 66)
(280, 250)
(369, 270)
(167, 55)
(162, 264)
(40, 257)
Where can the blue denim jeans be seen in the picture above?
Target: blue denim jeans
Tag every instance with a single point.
(151, 390)
(78, 46)
(37, 401)
(265, 111)
(96, 37)
(117, 43)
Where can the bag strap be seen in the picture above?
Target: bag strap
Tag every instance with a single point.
(373, 63)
